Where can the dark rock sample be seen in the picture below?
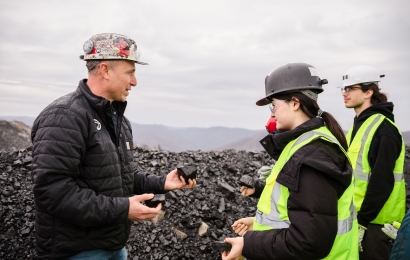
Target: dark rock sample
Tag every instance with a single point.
(187, 172)
(247, 181)
(157, 199)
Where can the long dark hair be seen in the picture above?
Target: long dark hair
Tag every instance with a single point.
(377, 97)
(310, 108)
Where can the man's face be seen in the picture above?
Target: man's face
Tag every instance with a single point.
(353, 96)
(122, 78)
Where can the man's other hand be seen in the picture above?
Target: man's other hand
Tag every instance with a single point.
(173, 182)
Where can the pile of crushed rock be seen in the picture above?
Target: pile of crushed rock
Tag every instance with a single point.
(190, 219)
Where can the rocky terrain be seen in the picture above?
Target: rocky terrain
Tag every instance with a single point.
(192, 219)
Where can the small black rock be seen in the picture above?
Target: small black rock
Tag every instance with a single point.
(221, 246)
(247, 181)
(153, 203)
(187, 172)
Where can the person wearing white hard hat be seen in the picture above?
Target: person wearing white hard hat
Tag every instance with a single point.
(83, 170)
(376, 149)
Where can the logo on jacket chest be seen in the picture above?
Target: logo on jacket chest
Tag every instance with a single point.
(98, 124)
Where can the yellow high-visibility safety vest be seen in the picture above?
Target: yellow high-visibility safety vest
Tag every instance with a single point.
(395, 206)
(272, 210)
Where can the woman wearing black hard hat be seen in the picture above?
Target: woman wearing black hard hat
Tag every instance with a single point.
(306, 208)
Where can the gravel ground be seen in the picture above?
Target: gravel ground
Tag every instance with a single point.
(192, 218)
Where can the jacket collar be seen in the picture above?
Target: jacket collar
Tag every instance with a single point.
(385, 109)
(274, 143)
(100, 104)
(103, 108)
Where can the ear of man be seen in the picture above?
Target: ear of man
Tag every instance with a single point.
(105, 69)
(368, 94)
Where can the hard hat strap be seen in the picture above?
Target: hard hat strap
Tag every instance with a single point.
(312, 95)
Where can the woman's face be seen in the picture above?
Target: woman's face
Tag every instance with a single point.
(282, 113)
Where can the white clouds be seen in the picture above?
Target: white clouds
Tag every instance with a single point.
(208, 59)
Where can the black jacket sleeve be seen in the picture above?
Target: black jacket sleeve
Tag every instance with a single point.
(148, 183)
(59, 141)
(144, 182)
(259, 185)
(313, 215)
(383, 153)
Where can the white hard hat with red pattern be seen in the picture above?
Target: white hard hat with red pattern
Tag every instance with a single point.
(111, 46)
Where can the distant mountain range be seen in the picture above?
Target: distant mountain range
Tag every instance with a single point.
(183, 139)
(14, 135)
(191, 138)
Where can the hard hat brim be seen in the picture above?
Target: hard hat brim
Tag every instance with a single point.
(262, 102)
(364, 83)
(141, 63)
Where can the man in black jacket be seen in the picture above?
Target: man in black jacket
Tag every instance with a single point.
(83, 173)
(377, 152)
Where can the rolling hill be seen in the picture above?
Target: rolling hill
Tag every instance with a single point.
(187, 138)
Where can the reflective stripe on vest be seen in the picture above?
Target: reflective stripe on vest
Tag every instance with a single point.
(398, 177)
(272, 206)
(345, 225)
(394, 208)
(273, 219)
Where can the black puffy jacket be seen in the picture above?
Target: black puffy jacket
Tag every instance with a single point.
(317, 176)
(83, 174)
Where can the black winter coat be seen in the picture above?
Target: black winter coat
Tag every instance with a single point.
(316, 176)
(83, 174)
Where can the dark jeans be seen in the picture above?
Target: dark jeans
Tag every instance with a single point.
(376, 244)
(101, 255)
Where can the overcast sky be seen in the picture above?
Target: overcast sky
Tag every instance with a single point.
(208, 59)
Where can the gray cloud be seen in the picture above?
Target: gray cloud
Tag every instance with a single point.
(208, 60)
